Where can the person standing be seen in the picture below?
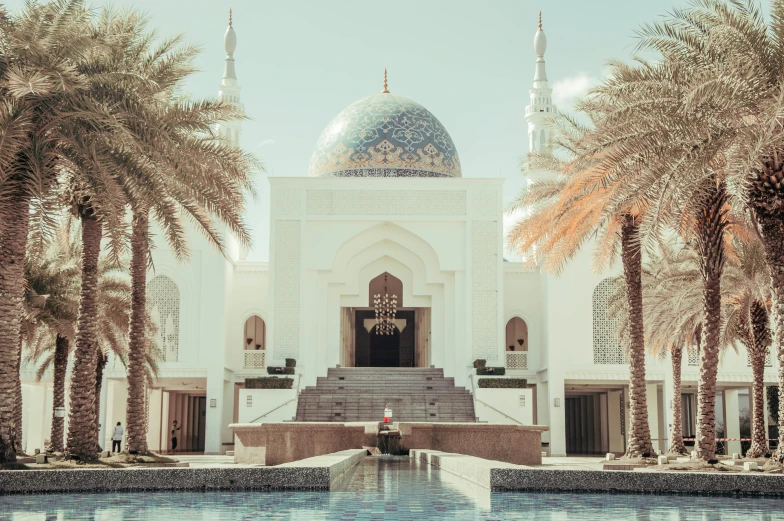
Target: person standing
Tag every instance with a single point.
(117, 438)
(175, 428)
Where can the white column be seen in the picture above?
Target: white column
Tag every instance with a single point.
(668, 392)
(614, 416)
(103, 432)
(213, 424)
(732, 419)
(154, 419)
(652, 396)
(557, 416)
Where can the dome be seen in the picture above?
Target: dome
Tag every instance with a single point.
(385, 135)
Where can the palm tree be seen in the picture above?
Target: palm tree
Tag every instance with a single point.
(748, 324)
(641, 116)
(565, 212)
(43, 94)
(180, 167)
(166, 163)
(674, 319)
(735, 58)
(673, 293)
(51, 309)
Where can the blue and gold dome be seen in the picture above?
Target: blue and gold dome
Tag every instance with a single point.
(385, 135)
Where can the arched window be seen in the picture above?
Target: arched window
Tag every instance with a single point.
(163, 304)
(516, 335)
(255, 334)
(516, 344)
(255, 343)
(607, 346)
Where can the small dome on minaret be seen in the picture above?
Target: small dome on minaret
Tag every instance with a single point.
(230, 37)
(230, 43)
(540, 40)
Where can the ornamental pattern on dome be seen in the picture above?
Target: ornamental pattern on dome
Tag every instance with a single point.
(385, 135)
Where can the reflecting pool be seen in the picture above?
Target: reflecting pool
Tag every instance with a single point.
(389, 489)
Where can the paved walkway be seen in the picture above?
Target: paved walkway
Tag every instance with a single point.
(211, 461)
(574, 463)
(569, 463)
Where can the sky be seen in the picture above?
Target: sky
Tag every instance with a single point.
(471, 63)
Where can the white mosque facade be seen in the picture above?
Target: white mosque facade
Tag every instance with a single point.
(385, 201)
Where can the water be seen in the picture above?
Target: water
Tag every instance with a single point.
(389, 489)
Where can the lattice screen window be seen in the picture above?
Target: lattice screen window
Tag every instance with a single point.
(768, 359)
(163, 304)
(607, 346)
(692, 356)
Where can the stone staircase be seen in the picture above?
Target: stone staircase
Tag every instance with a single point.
(360, 393)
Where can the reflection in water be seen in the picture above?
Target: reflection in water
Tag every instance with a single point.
(389, 489)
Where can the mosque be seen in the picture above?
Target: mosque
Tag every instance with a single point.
(386, 209)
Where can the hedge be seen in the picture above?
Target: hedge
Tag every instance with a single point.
(479, 363)
(291, 362)
(280, 370)
(495, 371)
(503, 383)
(269, 382)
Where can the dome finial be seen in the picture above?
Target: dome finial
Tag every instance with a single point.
(385, 91)
(540, 19)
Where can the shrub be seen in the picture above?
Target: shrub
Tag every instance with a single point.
(269, 382)
(503, 383)
(479, 363)
(495, 371)
(280, 370)
(291, 362)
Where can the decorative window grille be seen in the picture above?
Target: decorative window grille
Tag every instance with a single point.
(607, 345)
(768, 359)
(693, 356)
(254, 359)
(163, 304)
(516, 360)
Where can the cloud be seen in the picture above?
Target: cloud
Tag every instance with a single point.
(567, 90)
(266, 143)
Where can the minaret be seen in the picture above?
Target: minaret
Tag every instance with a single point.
(541, 107)
(229, 90)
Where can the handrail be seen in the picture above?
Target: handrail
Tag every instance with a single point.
(473, 393)
(296, 397)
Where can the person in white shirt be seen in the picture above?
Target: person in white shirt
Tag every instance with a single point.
(117, 438)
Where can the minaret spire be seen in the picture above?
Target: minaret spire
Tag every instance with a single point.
(540, 108)
(385, 91)
(540, 18)
(229, 90)
(230, 44)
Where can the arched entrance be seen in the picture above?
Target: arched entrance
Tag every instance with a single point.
(400, 347)
(384, 348)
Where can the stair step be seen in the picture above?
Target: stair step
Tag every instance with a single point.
(361, 393)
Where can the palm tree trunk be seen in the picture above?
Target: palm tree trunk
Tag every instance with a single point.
(18, 402)
(711, 224)
(761, 334)
(767, 202)
(639, 443)
(137, 341)
(759, 444)
(12, 256)
(676, 433)
(60, 370)
(81, 422)
(772, 230)
(100, 365)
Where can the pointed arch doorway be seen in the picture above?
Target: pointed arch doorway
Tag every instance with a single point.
(365, 345)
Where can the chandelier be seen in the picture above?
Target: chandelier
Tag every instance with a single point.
(386, 309)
